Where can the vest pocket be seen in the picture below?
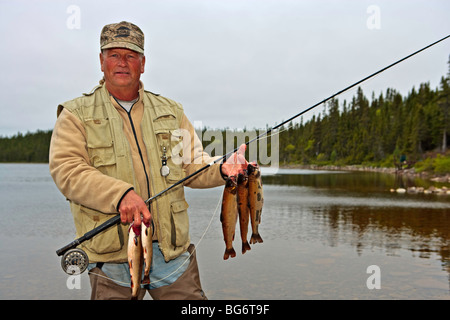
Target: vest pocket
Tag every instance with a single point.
(100, 144)
(164, 119)
(108, 241)
(180, 223)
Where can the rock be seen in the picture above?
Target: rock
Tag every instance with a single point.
(412, 190)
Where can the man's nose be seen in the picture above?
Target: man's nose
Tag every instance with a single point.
(123, 61)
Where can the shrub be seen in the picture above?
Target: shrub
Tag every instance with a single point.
(441, 164)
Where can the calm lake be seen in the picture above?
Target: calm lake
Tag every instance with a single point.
(324, 235)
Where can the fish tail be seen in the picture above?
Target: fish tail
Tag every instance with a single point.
(133, 292)
(245, 247)
(146, 279)
(228, 253)
(256, 238)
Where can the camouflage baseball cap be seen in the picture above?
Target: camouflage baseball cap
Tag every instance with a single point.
(122, 35)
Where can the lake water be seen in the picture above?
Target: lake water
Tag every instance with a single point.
(322, 231)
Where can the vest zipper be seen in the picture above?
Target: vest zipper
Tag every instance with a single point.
(137, 144)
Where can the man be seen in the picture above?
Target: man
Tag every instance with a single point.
(112, 149)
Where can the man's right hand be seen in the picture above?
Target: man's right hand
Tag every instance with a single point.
(132, 207)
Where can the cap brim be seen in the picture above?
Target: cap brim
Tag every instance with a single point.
(125, 45)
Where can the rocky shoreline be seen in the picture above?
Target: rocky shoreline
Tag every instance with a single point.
(444, 190)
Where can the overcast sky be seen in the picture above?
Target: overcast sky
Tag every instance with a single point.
(246, 63)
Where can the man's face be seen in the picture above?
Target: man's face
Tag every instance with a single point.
(122, 67)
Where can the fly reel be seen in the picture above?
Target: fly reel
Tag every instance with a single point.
(74, 261)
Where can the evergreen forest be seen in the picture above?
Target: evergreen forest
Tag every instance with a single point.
(29, 147)
(384, 131)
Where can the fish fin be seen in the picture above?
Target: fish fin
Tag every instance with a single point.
(146, 279)
(228, 253)
(245, 247)
(256, 238)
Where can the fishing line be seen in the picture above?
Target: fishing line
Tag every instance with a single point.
(197, 244)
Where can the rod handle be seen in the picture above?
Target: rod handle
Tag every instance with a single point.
(88, 235)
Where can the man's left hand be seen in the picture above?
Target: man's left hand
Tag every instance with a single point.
(236, 163)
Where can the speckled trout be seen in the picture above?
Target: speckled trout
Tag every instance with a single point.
(243, 209)
(228, 216)
(255, 200)
(147, 246)
(135, 258)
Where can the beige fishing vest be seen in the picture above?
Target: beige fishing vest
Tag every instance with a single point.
(109, 152)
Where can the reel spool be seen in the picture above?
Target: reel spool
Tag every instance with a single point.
(74, 261)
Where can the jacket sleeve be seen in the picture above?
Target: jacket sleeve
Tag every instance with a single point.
(72, 172)
(194, 158)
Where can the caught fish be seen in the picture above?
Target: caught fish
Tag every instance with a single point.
(255, 200)
(228, 216)
(243, 209)
(135, 258)
(147, 246)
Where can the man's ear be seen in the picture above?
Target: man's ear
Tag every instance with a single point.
(101, 61)
(143, 64)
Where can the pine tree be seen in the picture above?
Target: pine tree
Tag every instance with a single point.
(444, 103)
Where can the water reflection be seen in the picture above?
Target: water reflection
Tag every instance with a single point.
(421, 231)
(357, 209)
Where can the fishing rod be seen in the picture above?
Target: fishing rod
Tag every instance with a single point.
(78, 258)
